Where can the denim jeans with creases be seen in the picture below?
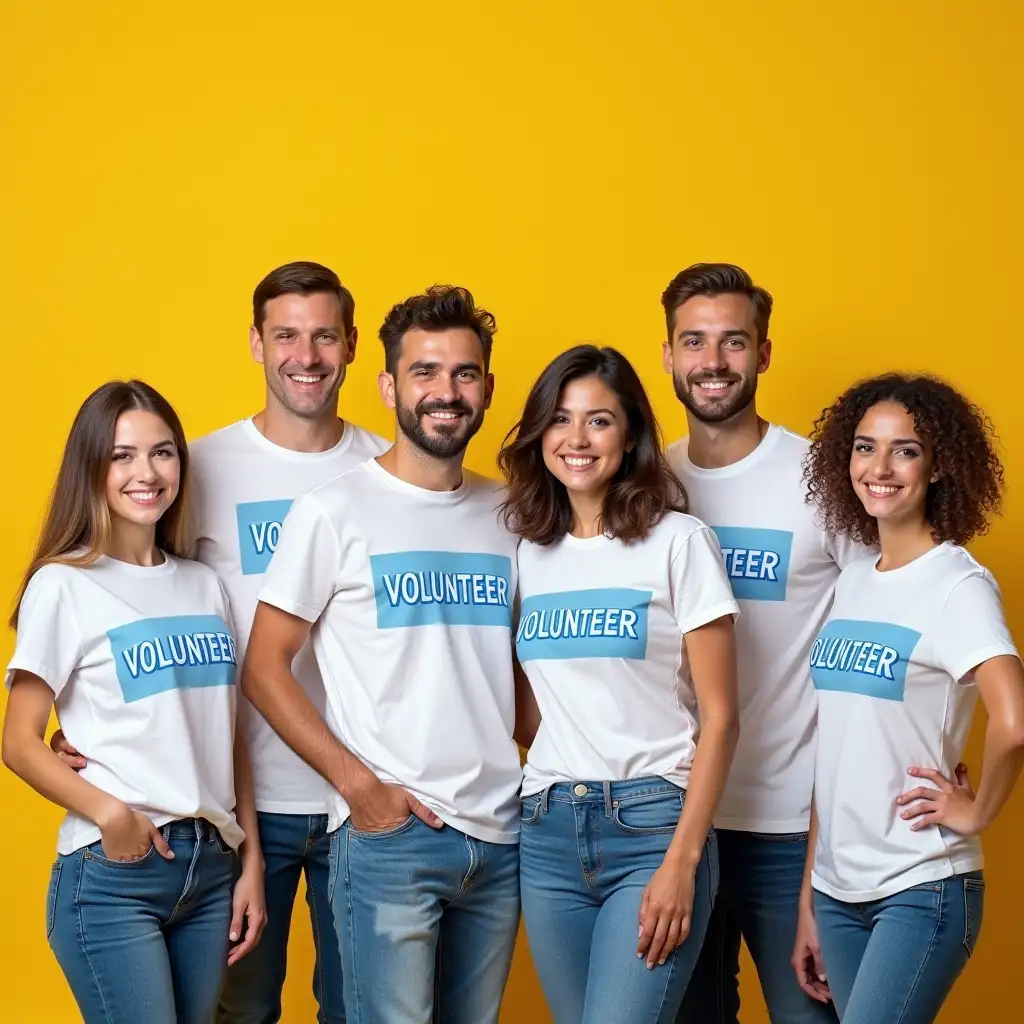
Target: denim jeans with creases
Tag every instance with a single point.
(146, 939)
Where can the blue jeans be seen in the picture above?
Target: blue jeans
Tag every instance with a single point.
(427, 923)
(587, 852)
(757, 900)
(293, 845)
(147, 939)
(895, 960)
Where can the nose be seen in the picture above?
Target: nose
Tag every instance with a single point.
(307, 353)
(145, 470)
(881, 467)
(714, 358)
(445, 389)
(578, 436)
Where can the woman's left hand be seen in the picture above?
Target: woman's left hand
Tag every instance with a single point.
(950, 804)
(665, 910)
(248, 911)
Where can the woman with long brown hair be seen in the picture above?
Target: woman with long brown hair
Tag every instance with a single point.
(625, 636)
(131, 643)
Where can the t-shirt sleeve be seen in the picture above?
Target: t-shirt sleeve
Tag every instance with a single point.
(842, 550)
(972, 628)
(49, 643)
(700, 587)
(303, 574)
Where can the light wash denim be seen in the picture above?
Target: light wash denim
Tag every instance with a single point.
(587, 852)
(761, 874)
(427, 922)
(895, 960)
(145, 940)
(293, 845)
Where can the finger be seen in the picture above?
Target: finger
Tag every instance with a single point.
(924, 807)
(819, 965)
(642, 919)
(424, 813)
(658, 940)
(160, 843)
(647, 928)
(938, 778)
(921, 793)
(238, 905)
(925, 820)
(246, 946)
(671, 940)
(963, 778)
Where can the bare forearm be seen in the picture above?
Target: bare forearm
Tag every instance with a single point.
(35, 763)
(1001, 768)
(806, 895)
(273, 691)
(245, 802)
(711, 763)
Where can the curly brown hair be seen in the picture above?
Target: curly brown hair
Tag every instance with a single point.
(969, 489)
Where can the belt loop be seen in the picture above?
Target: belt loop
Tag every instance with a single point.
(197, 824)
(165, 831)
(544, 799)
(607, 799)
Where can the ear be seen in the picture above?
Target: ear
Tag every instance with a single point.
(256, 344)
(666, 356)
(488, 390)
(764, 355)
(351, 342)
(386, 386)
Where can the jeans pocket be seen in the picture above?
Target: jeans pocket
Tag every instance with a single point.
(51, 896)
(95, 853)
(332, 864)
(974, 902)
(531, 807)
(220, 845)
(651, 814)
(388, 833)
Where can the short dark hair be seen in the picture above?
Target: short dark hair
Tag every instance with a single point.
(644, 488)
(712, 280)
(302, 278)
(441, 307)
(969, 489)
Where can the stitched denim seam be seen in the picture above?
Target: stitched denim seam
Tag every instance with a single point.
(187, 895)
(351, 923)
(80, 934)
(317, 937)
(940, 906)
(465, 883)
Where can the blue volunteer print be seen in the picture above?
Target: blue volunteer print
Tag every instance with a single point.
(178, 652)
(450, 588)
(869, 658)
(259, 529)
(756, 561)
(601, 623)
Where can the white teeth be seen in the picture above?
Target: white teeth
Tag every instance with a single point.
(579, 460)
(306, 378)
(142, 495)
(882, 489)
(445, 415)
(715, 385)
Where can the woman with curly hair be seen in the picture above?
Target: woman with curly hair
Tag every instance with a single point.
(894, 886)
(625, 635)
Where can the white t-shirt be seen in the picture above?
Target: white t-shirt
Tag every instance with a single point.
(894, 672)
(783, 569)
(142, 665)
(410, 591)
(242, 488)
(606, 659)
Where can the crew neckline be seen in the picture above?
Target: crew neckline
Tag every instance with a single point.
(253, 433)
(421, 493)
(586, 542)
(749, 461)
(926, 557)
(108, 564)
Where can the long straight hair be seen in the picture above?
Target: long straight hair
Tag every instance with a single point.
(77, 528)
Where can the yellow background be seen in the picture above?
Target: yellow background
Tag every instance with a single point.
(563, 160)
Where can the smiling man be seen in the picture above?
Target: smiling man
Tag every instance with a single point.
(405, 577)
(743, 478)
(245, 478)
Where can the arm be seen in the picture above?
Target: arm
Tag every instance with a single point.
(127, 834)
(268, 683)
(807, 960)
(527, 712)
(953, 803)
(248, 901)
(668, 899)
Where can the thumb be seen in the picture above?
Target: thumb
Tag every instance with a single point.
(237, 916)
(424, 813)
(819, 965)
(962, 777)
(160, 843)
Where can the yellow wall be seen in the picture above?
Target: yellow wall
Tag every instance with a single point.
(562, 159)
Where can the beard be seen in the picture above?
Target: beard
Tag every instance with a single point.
(715, 411)
(446, 442)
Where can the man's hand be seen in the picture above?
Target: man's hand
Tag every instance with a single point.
(377, 807)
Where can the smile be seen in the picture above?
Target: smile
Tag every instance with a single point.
(578, 462)
(307, 378)
(447, 415)
(144, 497)
(715, 385)
(883, 490)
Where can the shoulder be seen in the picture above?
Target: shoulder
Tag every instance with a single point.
(350, 488)
(365, 441)
(484, 489)
(676, 454)
(55, 577)
(680, 530)
(955, 565)
(218, 442)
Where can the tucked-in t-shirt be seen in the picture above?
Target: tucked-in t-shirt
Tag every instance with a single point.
(600, 637)
(410, 592)
(894, 670)
(783, 568)
(142, 663)
(242, 487)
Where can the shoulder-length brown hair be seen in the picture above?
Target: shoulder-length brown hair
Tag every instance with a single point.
(644, 488)
(77, 526)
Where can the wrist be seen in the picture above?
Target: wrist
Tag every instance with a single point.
(683, 855)
(357, 783)
(108, 811)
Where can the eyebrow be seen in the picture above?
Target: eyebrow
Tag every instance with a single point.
(738, 332)
(590, 412)
(169, 443)
(281, 328)
(427, 364)
(898, 440)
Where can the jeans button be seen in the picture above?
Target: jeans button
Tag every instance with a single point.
(579, 789)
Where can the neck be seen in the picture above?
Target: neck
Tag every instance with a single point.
(134, 544)
(587, 512)
(903, 541)
(415, 466)
(714, 445)
(297, 433)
